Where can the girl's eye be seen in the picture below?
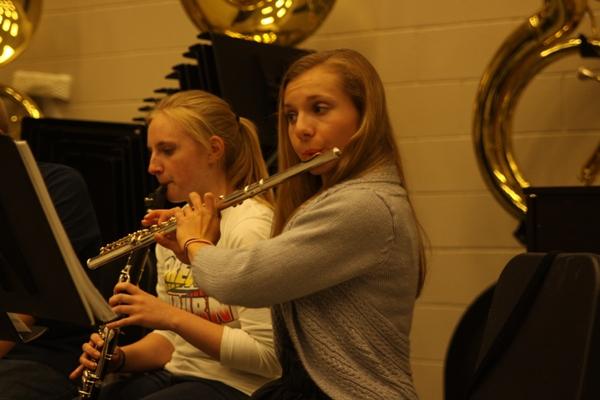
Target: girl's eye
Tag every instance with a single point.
(290, 117)
(320, 108)
(167, 151)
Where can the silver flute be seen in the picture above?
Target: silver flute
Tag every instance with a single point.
(145, 237)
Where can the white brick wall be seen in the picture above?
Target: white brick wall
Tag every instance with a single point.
(430, 56)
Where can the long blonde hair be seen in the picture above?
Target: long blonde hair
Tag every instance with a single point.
(202, 115)
(374, 140)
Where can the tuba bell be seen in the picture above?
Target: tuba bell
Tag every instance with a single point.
(20, 20)
(537, 42)
(283, 22)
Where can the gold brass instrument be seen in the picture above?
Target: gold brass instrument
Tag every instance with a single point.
(591, 168)
(541, 40)
(20, 20)
(18, 106)
(145, 237)
(284, 22)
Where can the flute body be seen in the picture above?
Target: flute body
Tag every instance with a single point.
(145, 237)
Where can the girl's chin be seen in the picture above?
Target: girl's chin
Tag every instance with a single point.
(174, 196)
(323, 169)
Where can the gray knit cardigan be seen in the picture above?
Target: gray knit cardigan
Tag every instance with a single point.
(342, 278)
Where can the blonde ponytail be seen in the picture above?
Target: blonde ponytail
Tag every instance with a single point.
(247, 165)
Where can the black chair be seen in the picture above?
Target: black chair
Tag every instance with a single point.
(463, 349)
(540, 338)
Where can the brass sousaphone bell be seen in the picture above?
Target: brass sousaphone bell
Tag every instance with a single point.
(539, 41)
(283, 22)
(18, 22)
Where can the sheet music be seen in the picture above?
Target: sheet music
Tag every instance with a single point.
(20, 326)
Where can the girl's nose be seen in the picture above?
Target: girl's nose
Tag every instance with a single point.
(154, 167)
(304, 128)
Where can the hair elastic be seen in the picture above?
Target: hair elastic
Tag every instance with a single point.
(195, 240)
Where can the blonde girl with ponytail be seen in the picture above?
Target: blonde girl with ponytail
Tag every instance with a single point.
(200, 348)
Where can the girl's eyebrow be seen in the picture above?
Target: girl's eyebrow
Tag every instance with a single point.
(313, 97)
(164, 143)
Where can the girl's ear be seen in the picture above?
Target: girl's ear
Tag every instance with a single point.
(216, 149)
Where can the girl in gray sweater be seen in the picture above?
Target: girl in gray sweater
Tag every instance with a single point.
(345, 264)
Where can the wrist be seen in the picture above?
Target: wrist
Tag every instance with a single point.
(176, 316)
(121, 361)
(196, 243)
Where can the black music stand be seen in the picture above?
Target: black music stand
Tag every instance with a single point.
(39, 272)
(563, 219)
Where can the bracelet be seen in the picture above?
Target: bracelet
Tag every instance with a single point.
(122, 363)
(195, 240)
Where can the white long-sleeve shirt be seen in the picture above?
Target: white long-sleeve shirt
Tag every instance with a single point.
(248, 358)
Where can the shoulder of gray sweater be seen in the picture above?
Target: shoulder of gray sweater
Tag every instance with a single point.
(382, 179)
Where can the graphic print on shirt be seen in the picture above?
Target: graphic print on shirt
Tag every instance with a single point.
(184, 294)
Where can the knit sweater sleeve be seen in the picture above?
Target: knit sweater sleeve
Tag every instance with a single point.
(338, 236)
